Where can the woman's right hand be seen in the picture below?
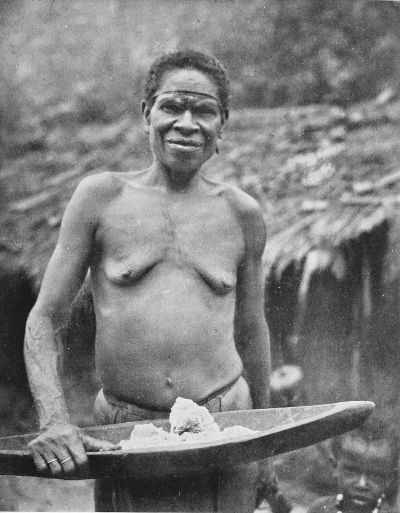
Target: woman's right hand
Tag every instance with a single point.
(61, 449)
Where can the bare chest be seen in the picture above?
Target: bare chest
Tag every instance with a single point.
(139, 233)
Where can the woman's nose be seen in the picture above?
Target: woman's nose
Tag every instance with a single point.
(362, 481)
(185, 123)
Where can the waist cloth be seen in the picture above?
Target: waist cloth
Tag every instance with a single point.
(122, 411)
(229, 490)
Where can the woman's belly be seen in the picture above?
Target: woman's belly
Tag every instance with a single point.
(166, 339)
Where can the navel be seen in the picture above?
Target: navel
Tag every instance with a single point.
(169, 382)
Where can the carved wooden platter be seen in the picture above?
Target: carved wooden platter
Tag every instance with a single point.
(279, 430)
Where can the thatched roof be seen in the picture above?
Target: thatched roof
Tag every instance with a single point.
(323, 176)
(37, 185)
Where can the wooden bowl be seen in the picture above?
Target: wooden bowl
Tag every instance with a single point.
(279, 430)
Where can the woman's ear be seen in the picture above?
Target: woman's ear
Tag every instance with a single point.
(224, 116)
(224, 119)
(146, 115)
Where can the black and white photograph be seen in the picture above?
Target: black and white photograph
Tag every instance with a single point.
(200, 256)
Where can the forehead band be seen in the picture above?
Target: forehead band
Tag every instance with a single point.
(185, 91)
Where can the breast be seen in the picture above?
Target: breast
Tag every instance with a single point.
(126, 273)
(218, 281)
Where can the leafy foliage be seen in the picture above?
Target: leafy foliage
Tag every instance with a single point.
(311, 51)
(92, 55)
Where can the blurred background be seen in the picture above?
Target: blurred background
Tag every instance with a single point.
(313, 136)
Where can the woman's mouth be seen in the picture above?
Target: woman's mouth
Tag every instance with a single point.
(360, 500)
(184, 145)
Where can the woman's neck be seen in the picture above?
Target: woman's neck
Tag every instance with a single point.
(174, 180)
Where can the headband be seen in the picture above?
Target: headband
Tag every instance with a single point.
(185, 91)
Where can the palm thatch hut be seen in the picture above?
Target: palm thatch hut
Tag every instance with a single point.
(328, 181)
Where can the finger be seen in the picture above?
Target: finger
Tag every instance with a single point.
(68, 465)
(43, 457)
(51, 457)
(78, 453)
(64, 463)
(39, 461)
(95, 445)
(66, 460)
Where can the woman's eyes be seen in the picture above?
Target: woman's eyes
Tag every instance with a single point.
(204, 111)
(173, 108)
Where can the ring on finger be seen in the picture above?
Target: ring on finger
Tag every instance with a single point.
(51, 461)
(66, 459)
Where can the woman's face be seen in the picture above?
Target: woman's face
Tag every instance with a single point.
(365, 472)
(185, 121)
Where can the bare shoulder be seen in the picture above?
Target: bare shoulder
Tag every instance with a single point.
(101, 186)
(249, 215)
(94, 191)
(241, 202)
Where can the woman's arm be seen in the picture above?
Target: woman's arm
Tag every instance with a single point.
(251, 330)
(59, 440)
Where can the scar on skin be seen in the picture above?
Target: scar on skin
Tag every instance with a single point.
(35, 331)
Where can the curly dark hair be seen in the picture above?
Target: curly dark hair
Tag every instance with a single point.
(185, 59)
